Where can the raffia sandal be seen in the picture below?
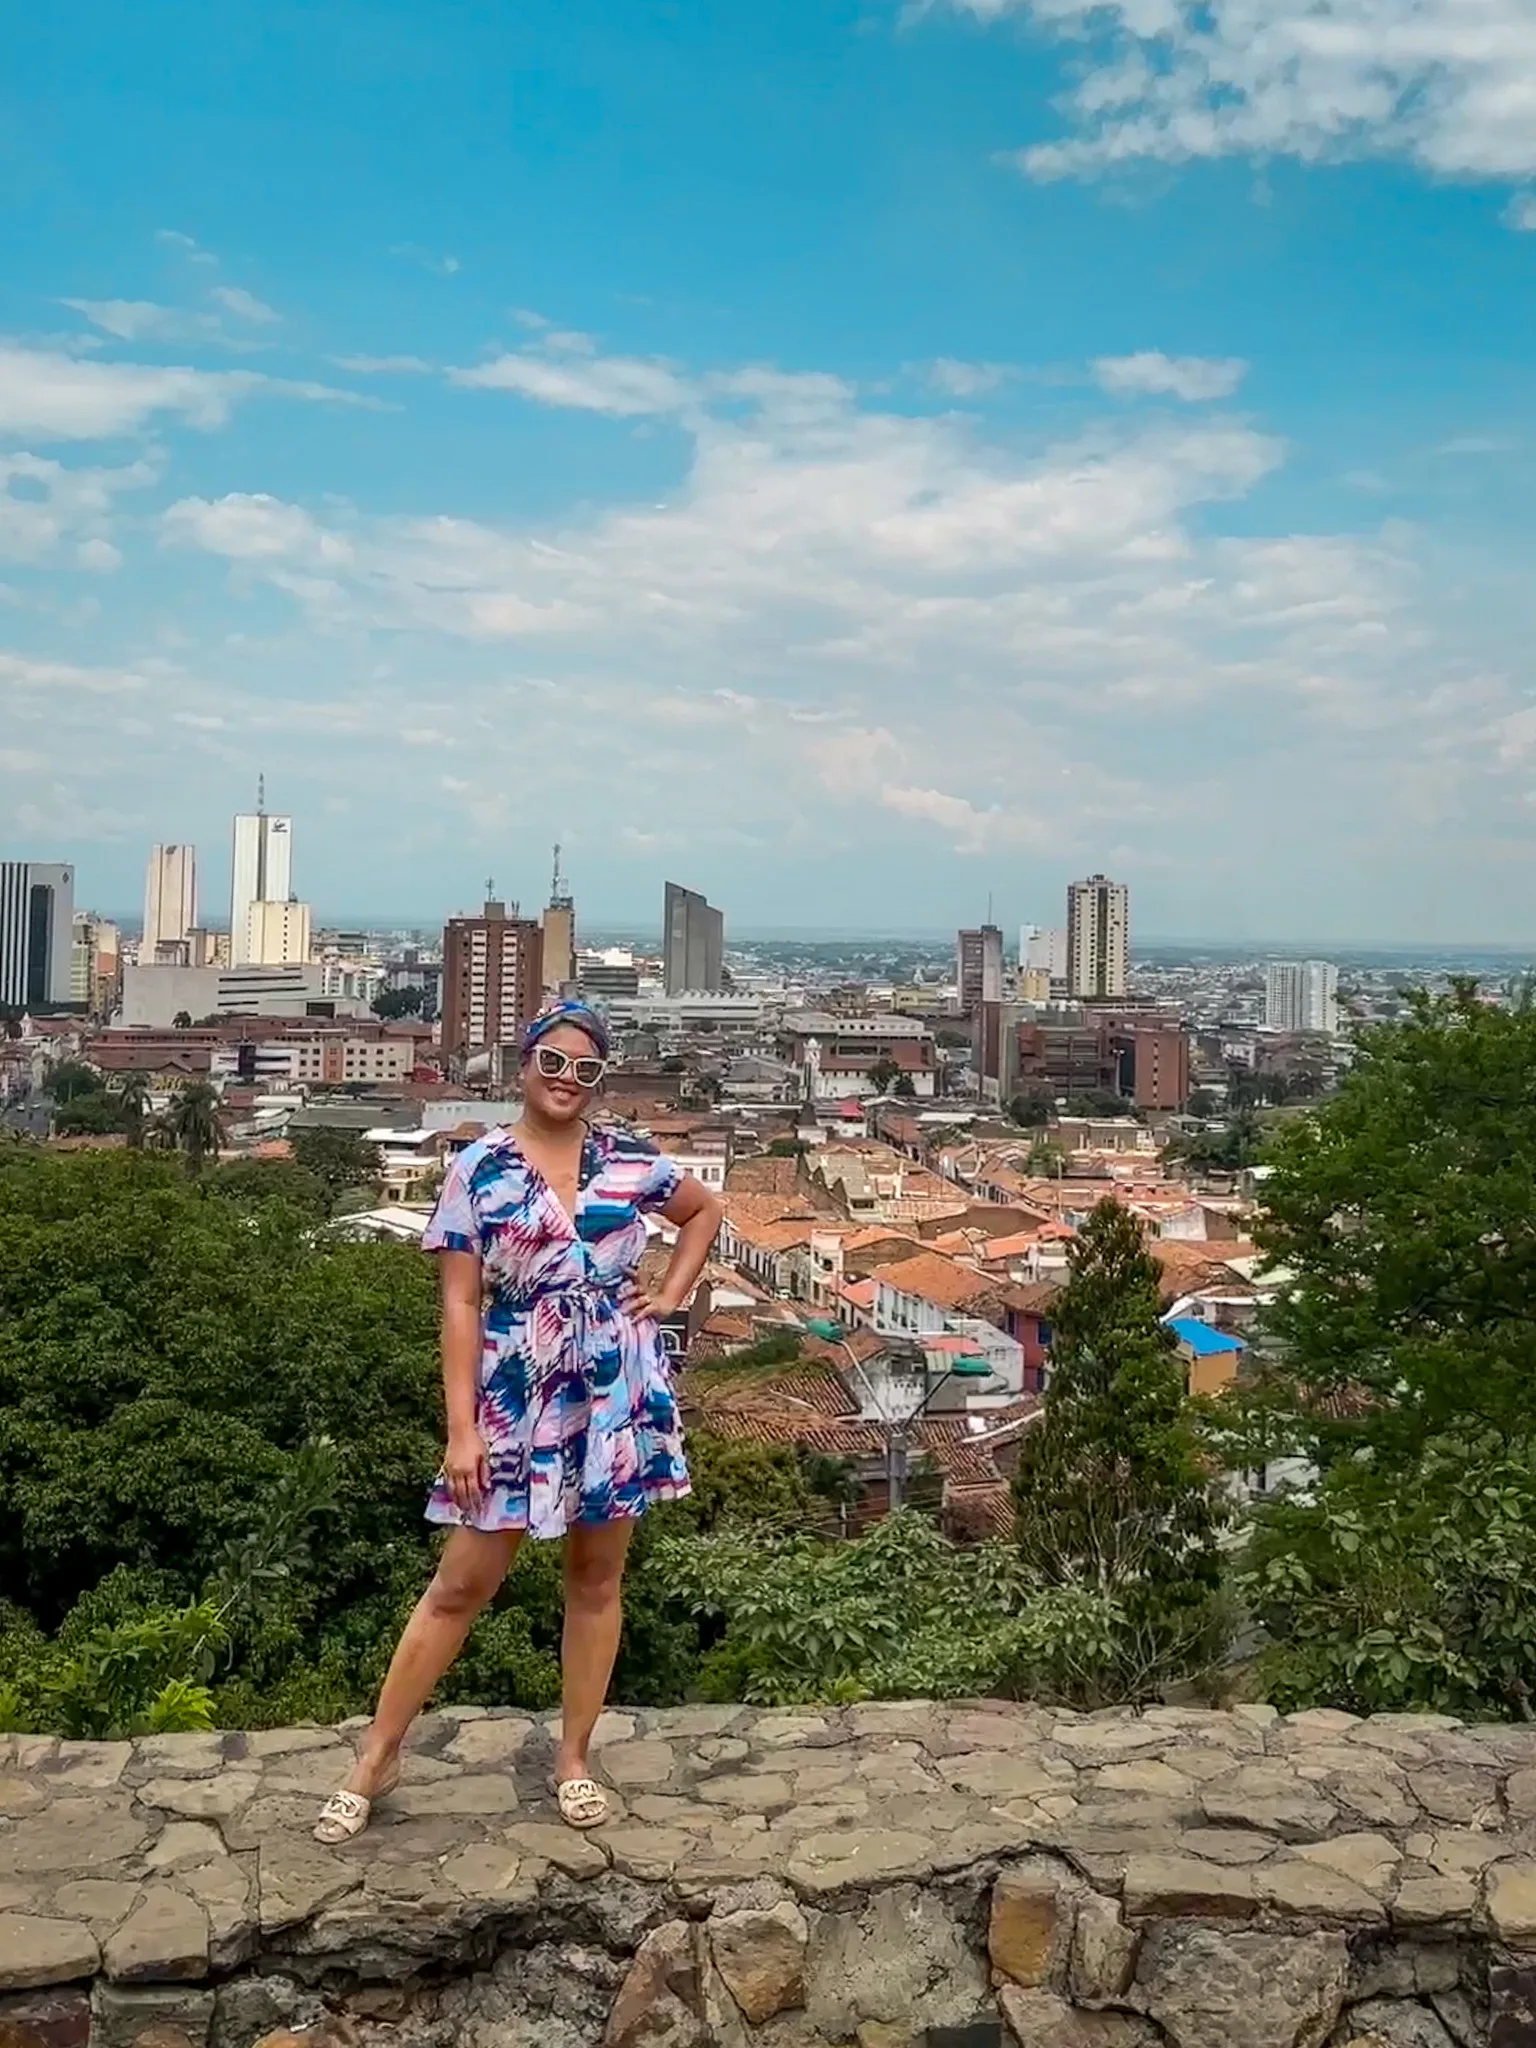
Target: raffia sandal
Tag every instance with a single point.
(345, 1814)
(582, 1802)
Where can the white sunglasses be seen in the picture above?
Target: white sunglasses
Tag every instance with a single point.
(585, 1069)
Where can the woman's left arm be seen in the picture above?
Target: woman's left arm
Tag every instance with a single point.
(696, 1213)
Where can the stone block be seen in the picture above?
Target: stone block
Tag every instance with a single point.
(35, 1951)
(1029, 1926)
(1311, 1891)
(1511, 1899)
(1104, 1949)
(46, 2019)
(144, 2016)
(760, 1956)
(660, 2001)
(1039, 2019)
(1394, 2023)
(166, 1935)
(1434, 1901)
(645, 1763)
(76, 1836)
(1213, 1988)
(1167, 1887)
(901, 1959)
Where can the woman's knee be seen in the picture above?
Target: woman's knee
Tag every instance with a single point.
(593, 1583)
(458, 1591)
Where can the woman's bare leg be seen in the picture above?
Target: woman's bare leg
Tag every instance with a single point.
(473, 1564)
(594, 1577)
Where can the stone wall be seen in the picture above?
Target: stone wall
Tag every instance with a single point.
(887, 1876)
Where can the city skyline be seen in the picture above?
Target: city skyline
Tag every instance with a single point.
(851, 458)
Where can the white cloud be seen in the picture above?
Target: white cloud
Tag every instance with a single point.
(1153, 374)
(245, 305)
(46, 395)
(382, 366)
(1520, 214)
(252, 527)
(44, 506)
(134, 319)
(966, 380)
(565, 370)
(173, 238)
(1447, 84)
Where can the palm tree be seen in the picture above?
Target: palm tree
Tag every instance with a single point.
(133, 1095)
(193, 1124)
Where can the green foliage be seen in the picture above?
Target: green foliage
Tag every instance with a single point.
(1032, 1109)
(337, 1159)
(1114, 1491)
(68, 1079)
(253, 1181)
(1383, 1599)
(786, 1148)
(1403, 1210)
(88, 1116)
(779, 1347)
(898, 1613)
(399, 1002)
(192, 1124)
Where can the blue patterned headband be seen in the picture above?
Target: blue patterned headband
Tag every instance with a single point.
(581, 1015)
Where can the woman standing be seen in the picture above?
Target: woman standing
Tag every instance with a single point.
(561, 1416)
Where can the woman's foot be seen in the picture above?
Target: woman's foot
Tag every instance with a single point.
(582, 1801)
(348, 1811)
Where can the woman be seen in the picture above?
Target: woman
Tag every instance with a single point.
(561, 1418)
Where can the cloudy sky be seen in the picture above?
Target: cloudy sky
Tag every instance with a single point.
(853, 457)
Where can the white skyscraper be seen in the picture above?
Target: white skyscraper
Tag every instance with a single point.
(1098, 939)
(262, 872)
(1042, 951)
(1302, 995)
(170, 898)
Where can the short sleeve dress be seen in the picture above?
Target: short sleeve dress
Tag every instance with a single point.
(575, 1401)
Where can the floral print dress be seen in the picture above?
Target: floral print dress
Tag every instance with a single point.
(575, 1402)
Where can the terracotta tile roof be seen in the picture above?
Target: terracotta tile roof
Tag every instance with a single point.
(767, 1175)
(934, 1278)
(771, 1237)
(859, 1293)
(773, 1208)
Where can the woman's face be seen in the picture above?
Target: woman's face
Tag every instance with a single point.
(559, 1097)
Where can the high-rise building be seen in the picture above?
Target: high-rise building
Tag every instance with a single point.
(559, 932)
(1098, 940)
(1302, 995)
(493, 977)
(37, 931)
(262, 872)
(96, 964)
(693, 943)
(170, 899)
(979, 967)
(277, 934)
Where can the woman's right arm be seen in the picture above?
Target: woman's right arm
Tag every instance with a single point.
(466, 1467)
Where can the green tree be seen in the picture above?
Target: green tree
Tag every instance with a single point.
(1114, 1490)
(1402, 1212)
(884, 1075)
(193, 1124)
(398, 1002)
(338, 1159)
(70, 1079)
(182, 1021)
(133, 1098)
(1045, 1159)
(1032, 1108)
(904, 1087)
(88, 1116)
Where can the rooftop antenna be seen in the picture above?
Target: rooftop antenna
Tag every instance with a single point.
(261, 796)
(490, 888)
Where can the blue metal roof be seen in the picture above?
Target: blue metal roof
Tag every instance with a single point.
(1202, 1339)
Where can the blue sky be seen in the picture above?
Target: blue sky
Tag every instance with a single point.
(853, 458)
